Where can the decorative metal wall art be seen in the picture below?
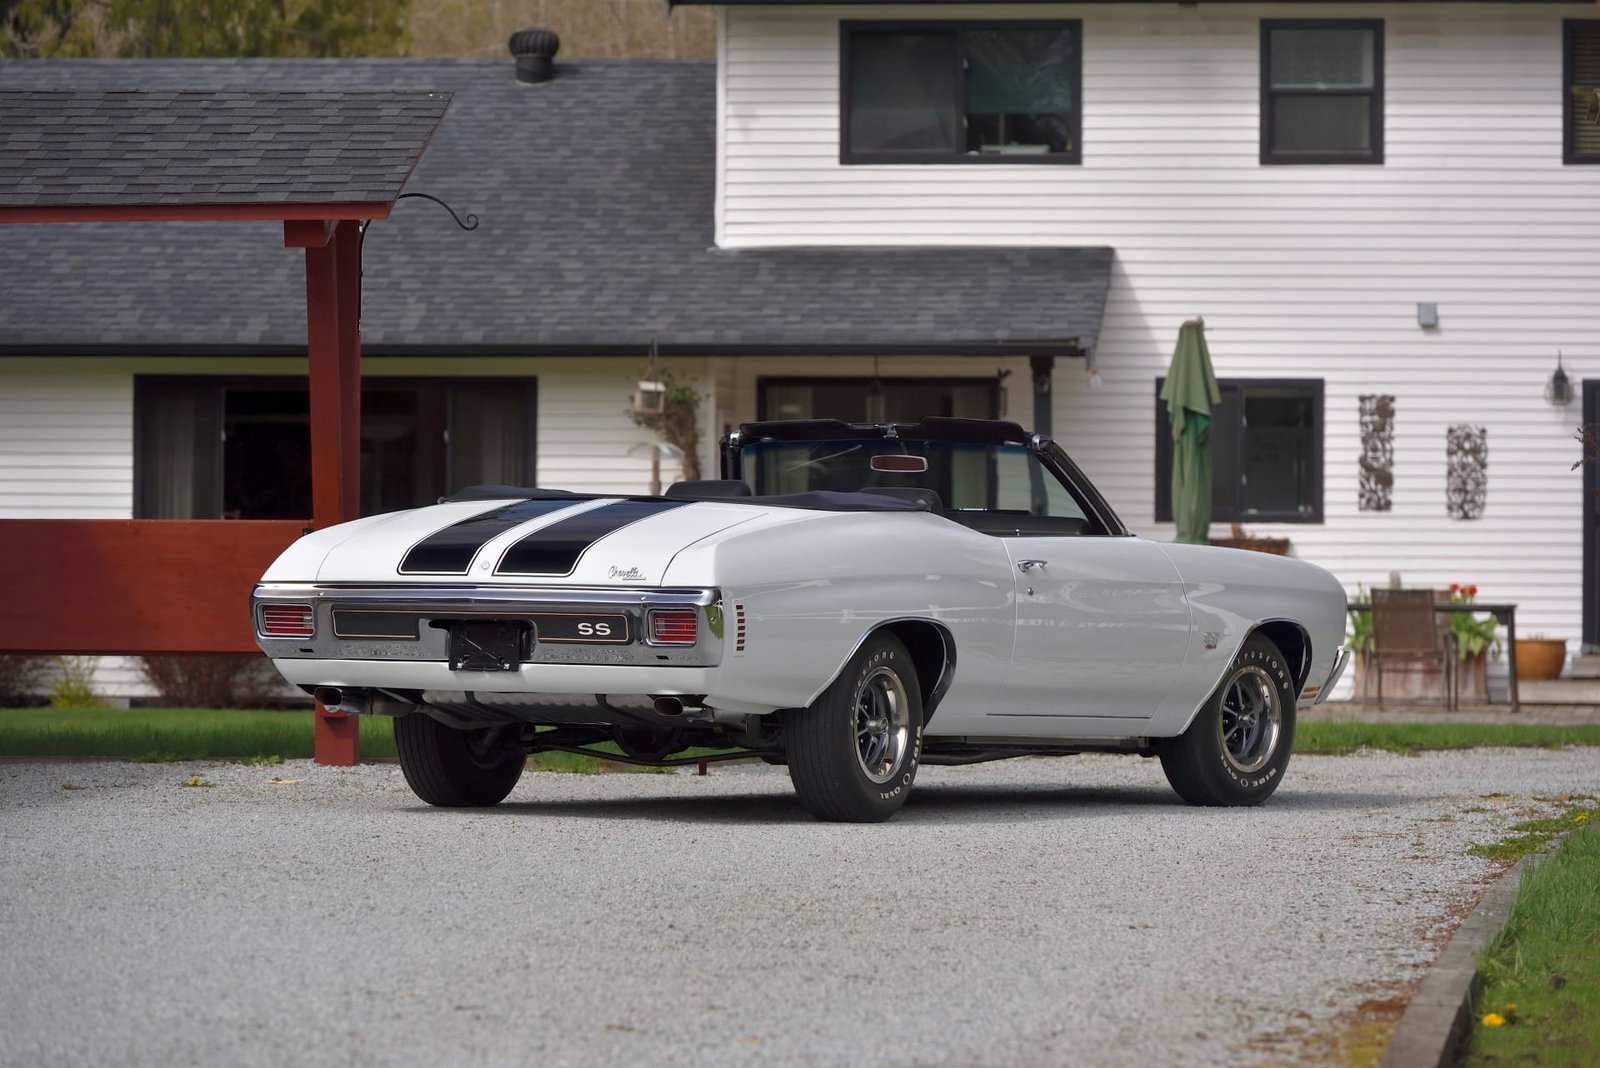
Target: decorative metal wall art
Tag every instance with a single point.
(1467, 474)
(1377, 452)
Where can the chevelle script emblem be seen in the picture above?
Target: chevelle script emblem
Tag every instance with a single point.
(630, 574)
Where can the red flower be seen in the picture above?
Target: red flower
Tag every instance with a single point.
(1472, 591)
(1455, 587)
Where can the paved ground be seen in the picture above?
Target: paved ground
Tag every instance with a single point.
(1031, 912)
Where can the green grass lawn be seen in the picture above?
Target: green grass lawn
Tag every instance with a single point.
(1330, 737)
(171, 734)
(227, 734)
(1542, 974)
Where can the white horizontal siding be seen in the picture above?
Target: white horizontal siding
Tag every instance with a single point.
(66, 442)
(1310, 271)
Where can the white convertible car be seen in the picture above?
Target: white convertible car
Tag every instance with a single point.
(849, 600)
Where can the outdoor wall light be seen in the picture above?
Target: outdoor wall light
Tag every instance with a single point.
(1427, 316)
(1558, 390)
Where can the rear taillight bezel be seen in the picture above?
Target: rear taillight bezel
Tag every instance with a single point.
(676, 638)
(305, 616)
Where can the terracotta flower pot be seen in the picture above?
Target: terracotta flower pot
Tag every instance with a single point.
(1540, 658)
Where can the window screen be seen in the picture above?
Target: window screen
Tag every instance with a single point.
(1266, 452)
(1321, 91)
(961, 92)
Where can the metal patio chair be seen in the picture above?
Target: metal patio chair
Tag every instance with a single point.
(1406, 631)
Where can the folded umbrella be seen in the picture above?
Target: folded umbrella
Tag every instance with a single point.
(1190, 393)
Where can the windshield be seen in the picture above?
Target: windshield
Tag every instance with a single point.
(970, 478)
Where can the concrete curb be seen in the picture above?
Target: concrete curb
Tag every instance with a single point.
(1436, 1021)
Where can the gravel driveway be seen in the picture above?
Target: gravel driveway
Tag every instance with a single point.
(1030, 912)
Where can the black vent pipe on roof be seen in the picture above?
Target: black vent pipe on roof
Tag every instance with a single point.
(535, 51)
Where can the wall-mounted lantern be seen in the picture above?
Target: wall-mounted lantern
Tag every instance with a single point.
(1558, 390)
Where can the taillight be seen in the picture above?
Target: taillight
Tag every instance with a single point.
(287, 621)
(672, 626)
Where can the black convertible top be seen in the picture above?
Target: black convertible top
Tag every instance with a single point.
(933, 428)
(815, 500)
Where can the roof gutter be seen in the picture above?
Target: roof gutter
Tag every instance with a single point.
(1067, 348)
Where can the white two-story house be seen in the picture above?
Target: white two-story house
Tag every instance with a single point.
(1380, 210)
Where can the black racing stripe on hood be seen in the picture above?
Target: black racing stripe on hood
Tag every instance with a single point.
(555, 549)
(450, 551)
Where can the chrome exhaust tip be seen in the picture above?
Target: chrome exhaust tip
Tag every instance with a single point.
(669, 706)
(335, 699)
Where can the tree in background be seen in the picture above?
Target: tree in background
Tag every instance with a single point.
(182, 28)
(637, 29)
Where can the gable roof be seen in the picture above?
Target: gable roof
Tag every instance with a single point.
(596, 196)
(80, 147)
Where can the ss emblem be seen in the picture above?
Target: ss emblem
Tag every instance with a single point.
(595, 630)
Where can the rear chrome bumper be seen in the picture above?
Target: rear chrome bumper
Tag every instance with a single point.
(580, 679)
(430, 609)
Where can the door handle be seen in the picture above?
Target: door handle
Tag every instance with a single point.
(1030, 565)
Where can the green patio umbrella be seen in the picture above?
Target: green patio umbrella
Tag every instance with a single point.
(1191, 392)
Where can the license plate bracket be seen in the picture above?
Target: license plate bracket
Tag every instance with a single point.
(489, 644)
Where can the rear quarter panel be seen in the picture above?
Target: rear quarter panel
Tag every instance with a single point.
(814, 584)
(1230, 593)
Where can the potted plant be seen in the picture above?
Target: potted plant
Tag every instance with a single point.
(1475, 644)
(1540, 658)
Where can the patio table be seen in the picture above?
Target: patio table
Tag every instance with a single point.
(1504, 614)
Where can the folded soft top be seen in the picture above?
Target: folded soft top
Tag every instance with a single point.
(815, 500)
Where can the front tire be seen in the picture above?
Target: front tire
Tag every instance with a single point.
(457, 768)
(1236, 750)
(853, 754)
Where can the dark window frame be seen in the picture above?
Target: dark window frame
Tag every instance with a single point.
(764, 381)
(1232, 512)
(1569, 106)
(1374, 156)
(849, 28)
(144, 384)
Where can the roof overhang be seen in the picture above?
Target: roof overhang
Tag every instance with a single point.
(80, 213)
(208, 155)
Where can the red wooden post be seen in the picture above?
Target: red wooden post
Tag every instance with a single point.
(333, 343)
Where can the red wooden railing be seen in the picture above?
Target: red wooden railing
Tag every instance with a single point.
(133, 586)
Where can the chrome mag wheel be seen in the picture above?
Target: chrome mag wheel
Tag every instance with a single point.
(883, 724)
(1251, 720)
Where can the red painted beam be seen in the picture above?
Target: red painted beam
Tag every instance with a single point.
(333, 342)
(133, 586)
(307, 233)
(190, 212)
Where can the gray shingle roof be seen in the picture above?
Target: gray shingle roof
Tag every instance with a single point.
(596, 195)
(170, 147)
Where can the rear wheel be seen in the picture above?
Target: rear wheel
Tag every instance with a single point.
(457, 768)
(853, 754)
(1235, 751)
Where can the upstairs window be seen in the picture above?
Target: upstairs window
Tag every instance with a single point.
(943, 92)
(1582, 97)
(1322, 91)
(1266, 452)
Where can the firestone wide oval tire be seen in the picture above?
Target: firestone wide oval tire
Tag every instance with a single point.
(853, 754)
(457, 768)
(1236, 750)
